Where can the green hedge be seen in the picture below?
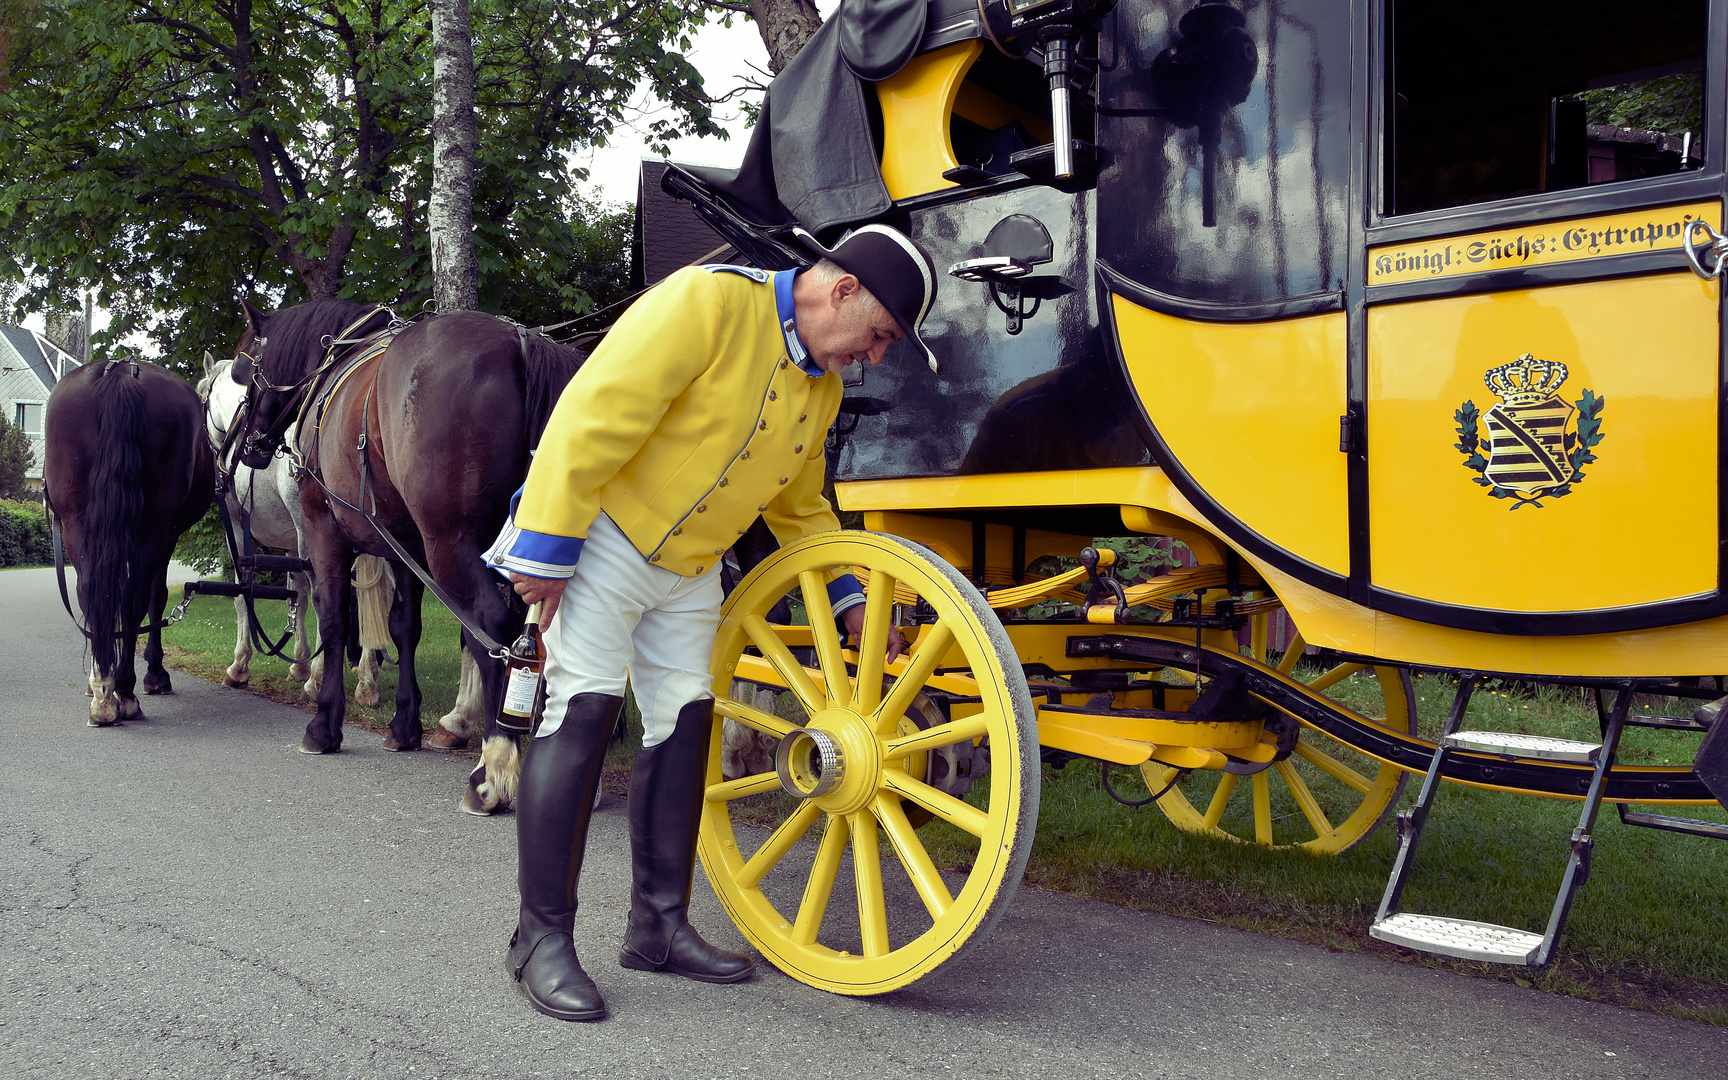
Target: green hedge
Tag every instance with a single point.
(24, 534)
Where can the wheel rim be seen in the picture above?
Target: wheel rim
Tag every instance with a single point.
(1325, 798)
(784, 889)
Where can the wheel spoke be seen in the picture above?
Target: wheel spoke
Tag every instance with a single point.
(1220, 800)
(775, 652)
(815, 588)
(961, 815)
(1305, 798)
(965, 729)
(1335, 676)
(777, 845)
(930, 652)
(821, 883)
(1292, 654)
(919, 867)
(743, 786)
(1259, 635)
(752, 717)
(1262, 809)
(867, 872)
(1334, 768)
(873, 642)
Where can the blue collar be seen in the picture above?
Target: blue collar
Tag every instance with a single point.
(789, 324)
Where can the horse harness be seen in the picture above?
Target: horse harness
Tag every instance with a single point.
(325, 381)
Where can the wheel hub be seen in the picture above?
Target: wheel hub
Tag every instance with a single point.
(836, 760)
(811, 763)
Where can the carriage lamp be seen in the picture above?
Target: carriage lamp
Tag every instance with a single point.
(1017, 26)
(1014, 247)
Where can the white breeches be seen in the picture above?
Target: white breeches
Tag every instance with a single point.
(620, 613)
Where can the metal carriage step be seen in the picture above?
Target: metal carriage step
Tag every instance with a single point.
(1462, 939)
(1527, 746)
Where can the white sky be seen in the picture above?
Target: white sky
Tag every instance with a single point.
(726, 57)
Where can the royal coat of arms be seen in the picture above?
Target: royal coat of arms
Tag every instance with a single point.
(1537, 444)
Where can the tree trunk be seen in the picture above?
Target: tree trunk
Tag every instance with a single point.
(785, 25)
(450, 215)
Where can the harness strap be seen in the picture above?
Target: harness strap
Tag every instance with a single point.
(254, 627)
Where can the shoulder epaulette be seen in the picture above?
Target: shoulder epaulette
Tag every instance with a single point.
(760, 277)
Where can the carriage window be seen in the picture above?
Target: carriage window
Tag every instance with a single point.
(1493, 100)
(28, 417)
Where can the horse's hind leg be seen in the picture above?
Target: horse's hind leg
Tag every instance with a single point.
(239, 673)
(456, 727)
(405, 730)
(156, 678)
(104, 710)
(298, 670)
(126, 676)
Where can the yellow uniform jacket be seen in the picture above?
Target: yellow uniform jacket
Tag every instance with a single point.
(692, 417)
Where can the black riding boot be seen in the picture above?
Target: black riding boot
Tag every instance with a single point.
(559, 778)
(666, 792)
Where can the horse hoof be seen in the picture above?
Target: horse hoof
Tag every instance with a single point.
(395, 747)
(473, 804)
(236, 684)
(130, 709)
(445, 739)
(166, 686)
(116, 722)
(307, 746)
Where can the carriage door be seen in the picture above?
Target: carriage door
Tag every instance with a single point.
(1542, 365)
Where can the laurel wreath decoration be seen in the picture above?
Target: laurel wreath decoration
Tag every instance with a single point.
(1579, 444)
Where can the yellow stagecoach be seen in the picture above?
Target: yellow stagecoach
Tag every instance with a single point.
(1403, 316)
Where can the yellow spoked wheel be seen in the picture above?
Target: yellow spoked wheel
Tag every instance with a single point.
(846, 788)
(1326, 797)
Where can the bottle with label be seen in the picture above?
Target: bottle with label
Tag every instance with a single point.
(525, 663)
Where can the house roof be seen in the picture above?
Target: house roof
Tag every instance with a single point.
(43, 357)
(669, 234)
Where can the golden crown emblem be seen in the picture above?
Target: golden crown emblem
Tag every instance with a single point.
(1526, 380)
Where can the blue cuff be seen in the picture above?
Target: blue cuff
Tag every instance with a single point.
(844, 593)
(544, 555)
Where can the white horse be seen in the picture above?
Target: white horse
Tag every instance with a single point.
(271, 497)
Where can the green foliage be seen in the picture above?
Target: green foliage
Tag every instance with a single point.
(204, 548)
(24, 539)
(178, 156)
(1672, 104)
(15, 460)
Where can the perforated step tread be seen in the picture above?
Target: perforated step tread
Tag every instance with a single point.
(1459, 938)
(1529, 746)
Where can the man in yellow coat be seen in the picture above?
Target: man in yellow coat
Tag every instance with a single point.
(705, 406)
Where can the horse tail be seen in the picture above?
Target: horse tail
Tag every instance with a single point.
(547, 366)
(111, 534)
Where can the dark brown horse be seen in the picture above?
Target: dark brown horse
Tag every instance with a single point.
(126, 469)
(440, 421)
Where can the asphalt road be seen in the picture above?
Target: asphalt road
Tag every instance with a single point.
(189, 897)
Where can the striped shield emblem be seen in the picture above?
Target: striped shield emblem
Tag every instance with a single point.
(1528, 444)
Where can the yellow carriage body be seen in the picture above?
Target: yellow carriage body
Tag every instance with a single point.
(1390, 334)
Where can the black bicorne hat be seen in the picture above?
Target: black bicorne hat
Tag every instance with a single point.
(894, 268)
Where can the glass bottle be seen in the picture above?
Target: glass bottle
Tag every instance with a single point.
(525, 663)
